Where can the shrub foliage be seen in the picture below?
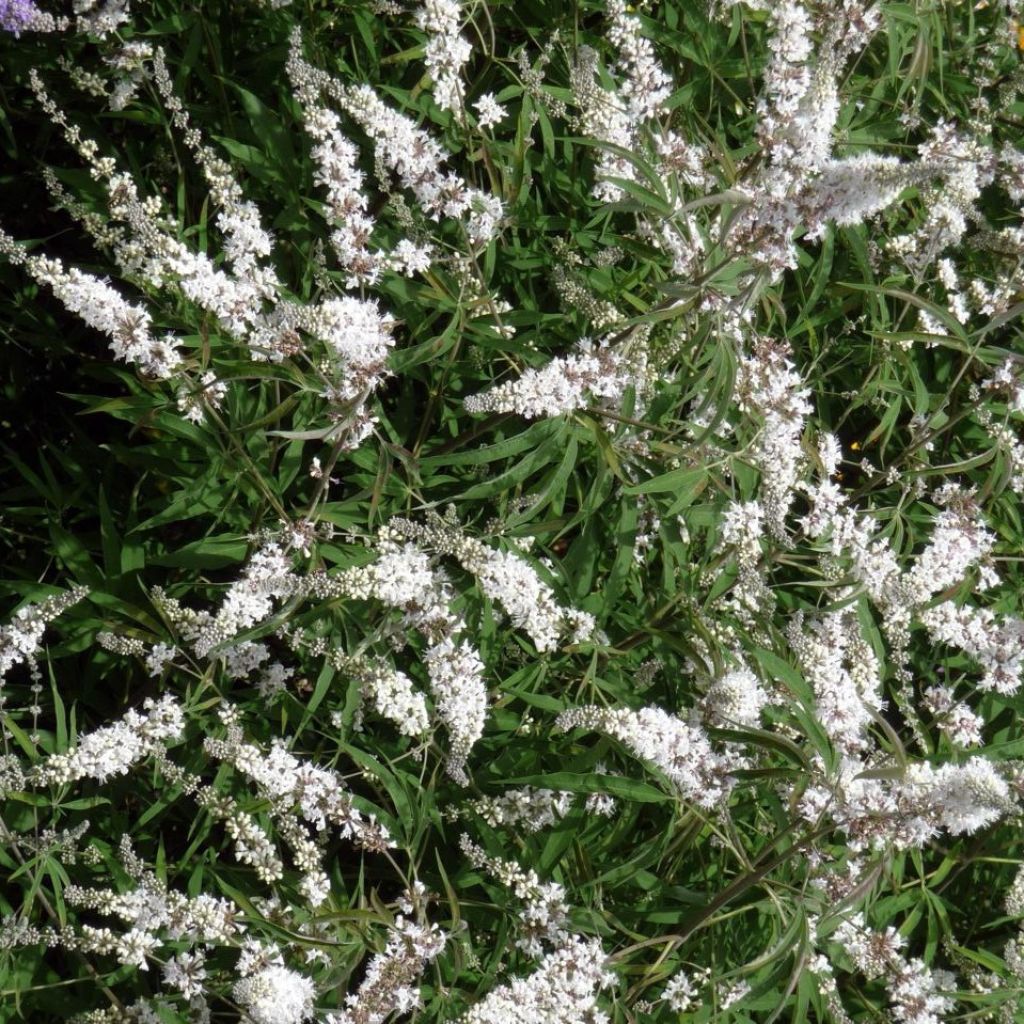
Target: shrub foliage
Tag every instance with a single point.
(511, 511)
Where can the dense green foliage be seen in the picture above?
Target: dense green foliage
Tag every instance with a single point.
(619, 506)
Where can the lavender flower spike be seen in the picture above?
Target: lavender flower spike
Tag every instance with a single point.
(16, 15)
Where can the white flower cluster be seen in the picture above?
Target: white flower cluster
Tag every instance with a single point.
(159, 257)
(275, 994)
(955, 719)
(619, 115)
(905, 808)
(529, 808)
(162, 261)
(530, 603)
(681, 992)
(489, 111)
(243, 293)
(565, 384)
(742, 527)
(544, 916)
(103, 308)
(997, 646)
(959, 541)
(394, 697)
(266, 577)
(915, 990)
(240, 659)
(563, 990)
(404, 149)
(130, 62)
(460, 693)
(848, 191)
(1015, 896)
(446, 51)
(679, 749)
(285, 783)
(534, 809)
(390, 982)
(152, 907)
(736, 698)
(769, 388)
(416, 159)
(154, 916)
(402, 577)
(843, 672)
(358, 335)
(186, 972)
(21, 638)
(320, 794)
(272, 680)
(824, 496)
(960, 798)
(873, 563)
(788, 76)
(246, 242)
(625, 117)
(1006, 381)
(209, 394)
(252, 844)
(100, 17)
(966, 165)
(115, 748)
(645, 85)
(151, 250)
(798, 183)
(338, 172)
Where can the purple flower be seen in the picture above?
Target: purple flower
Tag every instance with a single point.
(17, 14)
